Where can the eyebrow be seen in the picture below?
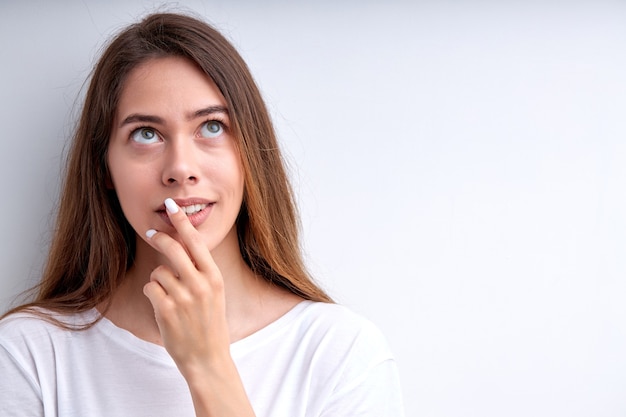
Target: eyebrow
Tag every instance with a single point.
(146, 118)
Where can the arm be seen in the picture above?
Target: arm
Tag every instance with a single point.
(19, 394)
(189, 305)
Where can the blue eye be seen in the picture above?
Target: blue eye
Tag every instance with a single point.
(211, 129)
(144, 135)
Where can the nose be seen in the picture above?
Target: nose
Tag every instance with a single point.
(179, 165)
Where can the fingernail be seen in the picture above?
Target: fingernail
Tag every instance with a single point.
(150, 233)
(171, 206)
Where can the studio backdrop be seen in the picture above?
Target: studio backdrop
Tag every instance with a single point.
(460, 168)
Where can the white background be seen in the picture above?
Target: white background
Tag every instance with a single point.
(460, 166)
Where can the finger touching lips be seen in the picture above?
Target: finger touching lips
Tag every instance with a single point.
(191, 239)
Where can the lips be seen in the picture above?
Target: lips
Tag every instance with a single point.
(197, 210)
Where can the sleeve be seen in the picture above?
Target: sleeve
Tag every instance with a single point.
(19, 393)
(368, 382)
(378, 394)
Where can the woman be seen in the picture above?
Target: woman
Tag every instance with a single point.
(174, 283)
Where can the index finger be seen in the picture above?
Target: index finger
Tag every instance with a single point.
(191, 238)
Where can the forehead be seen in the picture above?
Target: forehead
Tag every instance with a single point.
(168, 85)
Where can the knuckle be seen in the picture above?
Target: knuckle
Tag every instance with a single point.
(157, 272)
(185, 298)
(201, 289)
(217, 284)
(149, 289)
(215, 280)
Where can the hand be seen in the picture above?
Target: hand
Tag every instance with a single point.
(188, 299)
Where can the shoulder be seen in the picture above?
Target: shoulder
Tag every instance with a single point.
(36, 329)
(356, 363)
(337, 328)
(44, 318)
(31, 343)
(316, 329)
(335, 317)
(25, 323)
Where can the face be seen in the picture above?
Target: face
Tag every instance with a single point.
(171, 138)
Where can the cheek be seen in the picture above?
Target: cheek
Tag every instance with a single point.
(227, 174)
(128, 184)
(117, 178)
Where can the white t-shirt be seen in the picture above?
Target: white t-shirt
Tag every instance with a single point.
(317, 360)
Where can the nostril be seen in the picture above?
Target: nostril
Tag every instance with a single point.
(191, 178)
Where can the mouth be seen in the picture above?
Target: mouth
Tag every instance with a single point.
(196, 210)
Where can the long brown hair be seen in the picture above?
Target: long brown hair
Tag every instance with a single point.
(93, 244)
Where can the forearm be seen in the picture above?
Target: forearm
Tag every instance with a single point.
(219, 392)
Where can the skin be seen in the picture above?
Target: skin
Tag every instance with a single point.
(189, 289)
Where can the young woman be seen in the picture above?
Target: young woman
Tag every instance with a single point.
(174, 283)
